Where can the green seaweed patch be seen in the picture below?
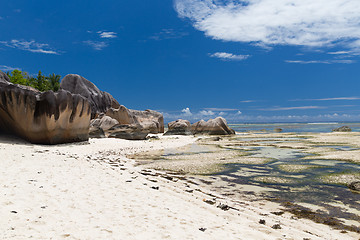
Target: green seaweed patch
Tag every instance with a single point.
(271, 179)
(343, 178)
(296, 167)
(193, 169)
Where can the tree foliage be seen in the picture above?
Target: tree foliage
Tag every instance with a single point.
(41, 82)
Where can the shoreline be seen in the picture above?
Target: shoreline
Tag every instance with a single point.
(92, 191)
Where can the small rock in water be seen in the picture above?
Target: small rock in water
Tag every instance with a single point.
(202, 229)
(278, 130)
(276, 226)
(262, 221)
(342, 129)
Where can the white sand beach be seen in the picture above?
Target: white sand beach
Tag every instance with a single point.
(92, 191)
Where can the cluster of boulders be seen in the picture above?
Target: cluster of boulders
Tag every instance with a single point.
(66, 115)
(108, 117)
(80, 110)
(217, 126)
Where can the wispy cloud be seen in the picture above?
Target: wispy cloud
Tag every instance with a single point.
(328, 99)
(229, 56)
(30, 46)
(97, 45)
(248, 101)
(320, 23)
(8, 69)
(104, 34)
(340, 53)
(344, 61)
(168, 33)
(291, 108)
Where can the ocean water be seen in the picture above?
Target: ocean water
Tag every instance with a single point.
(293, 127)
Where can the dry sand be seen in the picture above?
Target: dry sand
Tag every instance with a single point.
(92, 191)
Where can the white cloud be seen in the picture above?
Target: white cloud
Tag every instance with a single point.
(96, 44)
(238, 112)
(104, 34)
(229, 56)
(186, 112)
(206, 113)
(313, 23)
(30, 46)
(7, 68)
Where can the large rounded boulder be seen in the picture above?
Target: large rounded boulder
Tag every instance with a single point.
(43, 117)
(99, 101)
(149, 120)
(105, 122)
(128, 132)
(179, 127)
(217, 126)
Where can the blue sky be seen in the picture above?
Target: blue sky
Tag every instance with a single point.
(249, 61)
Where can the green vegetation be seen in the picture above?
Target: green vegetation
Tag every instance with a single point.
(41, 82)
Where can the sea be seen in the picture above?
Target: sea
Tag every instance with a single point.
(294, 127)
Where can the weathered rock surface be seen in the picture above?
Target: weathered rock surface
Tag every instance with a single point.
(149, 120)
(122, 115)
(152, 117)
(4, 78)
(179, 127)
(127, 131)
(46, 118)
(342, 129)
(105, 123)
(217, 126)
(96, 132)
(355, 186)
(99, 101)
